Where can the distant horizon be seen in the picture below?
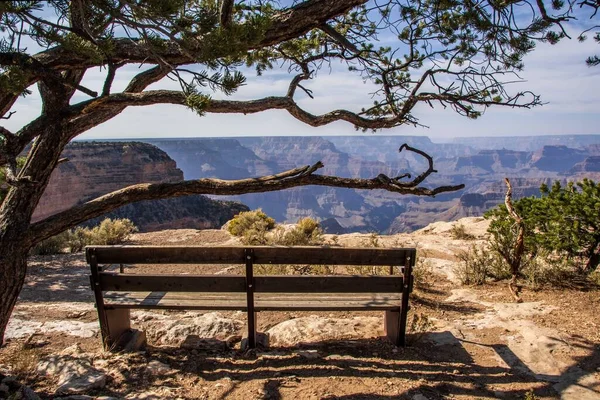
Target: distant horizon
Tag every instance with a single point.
(431, 137)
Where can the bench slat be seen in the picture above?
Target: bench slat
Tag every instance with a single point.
(262, 255)
(110, 281)
(328, 284)
(263, 301)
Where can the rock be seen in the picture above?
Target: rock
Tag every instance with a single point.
(419, 396)
(262, 341)
(18, 328)
(175, 332)
(156, 367)
(75, 374)
(315, 329)
(72, 350)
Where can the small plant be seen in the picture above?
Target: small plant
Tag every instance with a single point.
(372, 240)
(53, 245)
(422, 272)
(307, 232)
(478, 264)
(530, 395)
(419, 324)
(251, 227)
(459, 232)
(111, 232)
(78, 238)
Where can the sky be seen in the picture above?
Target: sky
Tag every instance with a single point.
(570, 89)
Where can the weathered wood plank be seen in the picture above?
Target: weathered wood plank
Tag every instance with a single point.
(328, 284)
(110, 281)
(262, 255)
(263, 301)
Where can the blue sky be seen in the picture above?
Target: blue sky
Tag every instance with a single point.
(558, 73)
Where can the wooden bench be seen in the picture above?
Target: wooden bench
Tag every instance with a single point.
(116, 293)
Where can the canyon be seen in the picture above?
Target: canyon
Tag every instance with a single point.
(98, 167)
(92, 169)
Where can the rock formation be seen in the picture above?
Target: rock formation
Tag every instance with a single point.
(96, 168)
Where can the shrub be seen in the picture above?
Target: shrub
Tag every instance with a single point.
(422, 272)
(78, 238)
(53, 245)
(459, 232)
(111, 232)
(307, 232)
(479, 263)
(565, 221)
(251, 226)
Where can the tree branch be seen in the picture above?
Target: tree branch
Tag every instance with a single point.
(287, 24)
(302, 176)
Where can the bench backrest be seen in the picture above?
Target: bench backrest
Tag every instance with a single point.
(248, 256)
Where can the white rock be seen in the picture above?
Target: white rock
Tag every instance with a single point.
(419, 396)
(175, 332)
(75, 374)
(156, 367)
(314, 329)
(18, 328)
(309, 354)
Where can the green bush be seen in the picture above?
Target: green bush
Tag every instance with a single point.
(78, 238)
(53, 245)
(251, 227)
(563, 222)
(307, 232)
(478, 264)
(111, 232)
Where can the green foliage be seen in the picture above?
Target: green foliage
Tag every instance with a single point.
(251, 227)
(108, 232)
(53, 245)
(478, 264)
(564, 222)
(111, 232)
(307, 232)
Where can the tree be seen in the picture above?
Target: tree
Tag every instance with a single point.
(458, 54)
(563, 222)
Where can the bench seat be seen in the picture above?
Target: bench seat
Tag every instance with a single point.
(262, 301)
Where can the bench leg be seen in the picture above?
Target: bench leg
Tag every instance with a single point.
(395, 327)
(252, 330)
(117, 324)
(392, 326)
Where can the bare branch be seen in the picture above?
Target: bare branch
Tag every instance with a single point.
(339, 38)
(302, 176)
(515, 259)
(10, 114)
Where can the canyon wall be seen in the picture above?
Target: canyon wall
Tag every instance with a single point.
(96, 168)
(479, 163)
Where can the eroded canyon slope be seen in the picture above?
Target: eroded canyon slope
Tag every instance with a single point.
(97, 168)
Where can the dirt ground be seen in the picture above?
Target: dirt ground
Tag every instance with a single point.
(464, 342)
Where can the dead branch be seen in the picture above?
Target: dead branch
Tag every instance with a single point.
(302, 176)
(515, 260)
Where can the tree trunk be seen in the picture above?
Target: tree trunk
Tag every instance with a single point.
(594, 257)
(13, 267)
